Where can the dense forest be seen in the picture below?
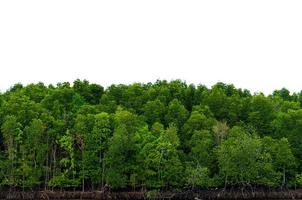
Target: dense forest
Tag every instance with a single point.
(158, 135)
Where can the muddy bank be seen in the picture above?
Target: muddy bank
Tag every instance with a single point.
(186, 195)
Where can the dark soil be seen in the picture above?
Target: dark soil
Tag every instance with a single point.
(185, 195)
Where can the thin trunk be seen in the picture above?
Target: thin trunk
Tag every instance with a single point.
(101, 163)
(103, 173)
(54, 160)
(23, 178)
(47, 166)
(283, 176)
(83, 171)
(83, 185)
(225, 181)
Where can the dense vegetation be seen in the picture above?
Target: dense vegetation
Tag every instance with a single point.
(161, 135)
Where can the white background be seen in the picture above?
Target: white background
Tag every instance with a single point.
(255, 44)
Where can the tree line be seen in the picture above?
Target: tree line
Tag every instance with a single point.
(159, 135)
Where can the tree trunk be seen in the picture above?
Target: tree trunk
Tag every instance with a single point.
(225, 181)
(283, 176)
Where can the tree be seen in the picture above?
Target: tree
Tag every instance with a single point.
(33, 152)
(20, 106)
(176, 114)
(283, 94)
(162, 162)
(67, 177)
(220, 131)
(282, 157)
(117, 158)
(197, 121)
(108, 104)
(289, 125)
(90, 92)
(154, 111)
(12, 132)
(101, 133)
(122, 150)
(160, 136)
(261, 114)
(82, 129)
(238, 157)
(197, 176)
(217, 100)
(35, 92)
(202, 143)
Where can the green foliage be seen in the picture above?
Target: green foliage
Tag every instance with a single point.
(162, 135)
(176, 113)
(198, 176)
(202, 144)
(154, 111)
(119, 155)
(261, 113)
(90, 92)
(299, 179)
(241, 160)
(62, 181)
(160, 159)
